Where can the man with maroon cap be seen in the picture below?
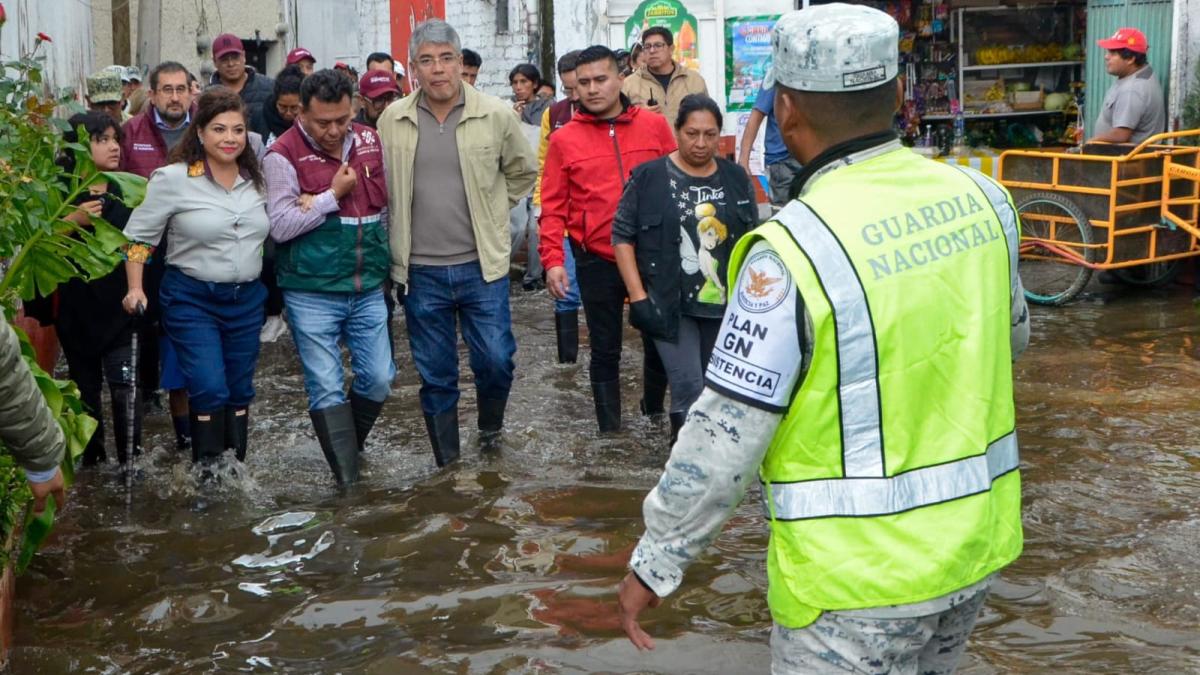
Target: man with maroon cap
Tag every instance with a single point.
(229, 56)
(377, 89)
(1134, 108)
(303, 58)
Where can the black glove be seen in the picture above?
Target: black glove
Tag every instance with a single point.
(645, 316)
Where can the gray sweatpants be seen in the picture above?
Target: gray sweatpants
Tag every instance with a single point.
(779, 180)
(686, 358)
(847, 642)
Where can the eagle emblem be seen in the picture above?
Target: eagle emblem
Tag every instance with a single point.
(760, 283)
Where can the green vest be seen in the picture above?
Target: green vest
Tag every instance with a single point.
(342, 255)
(892, 478)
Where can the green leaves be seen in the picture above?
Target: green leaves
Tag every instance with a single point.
(42, 249)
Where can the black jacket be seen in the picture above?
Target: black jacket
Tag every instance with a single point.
(268, 123)
(255, 92)
(657, 247)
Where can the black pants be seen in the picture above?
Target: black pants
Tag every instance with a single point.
(274, 306)
(90, 372)
(603, 294)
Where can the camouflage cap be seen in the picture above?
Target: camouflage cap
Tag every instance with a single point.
(833, 48)
(104, 87)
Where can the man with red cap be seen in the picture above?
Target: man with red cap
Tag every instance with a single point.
(229, 57)
(303, 58)
(1134, 108)
(377, 89)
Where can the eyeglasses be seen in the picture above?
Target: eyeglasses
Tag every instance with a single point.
(654, 46)
(174, 91)
(386, 99)
(444, 59)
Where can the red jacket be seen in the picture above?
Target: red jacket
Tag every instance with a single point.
(142, 148)
(588, 163)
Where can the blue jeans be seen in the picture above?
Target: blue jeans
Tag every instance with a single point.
(214, 329)
(437, 297)
(321, 323)
(570, 303)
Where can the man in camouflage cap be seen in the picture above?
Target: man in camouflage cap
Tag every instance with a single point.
(104, 93)
(864, 373)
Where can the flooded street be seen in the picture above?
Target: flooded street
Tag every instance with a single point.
(508, 562)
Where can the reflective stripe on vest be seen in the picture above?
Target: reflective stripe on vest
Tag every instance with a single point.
(851, 497)
(363, 220)
(1007, 215)
(865, 489)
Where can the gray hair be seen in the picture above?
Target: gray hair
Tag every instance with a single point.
(433, 31)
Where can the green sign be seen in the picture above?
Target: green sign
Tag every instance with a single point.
(675, 17)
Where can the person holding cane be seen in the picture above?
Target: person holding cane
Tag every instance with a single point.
(212, 199)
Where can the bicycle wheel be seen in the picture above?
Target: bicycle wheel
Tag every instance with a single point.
(1150, 274)
(1055, 239)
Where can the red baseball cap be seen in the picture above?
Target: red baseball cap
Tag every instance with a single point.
(376, 83)
(1126, 38)
(227, 43)
(299, 54)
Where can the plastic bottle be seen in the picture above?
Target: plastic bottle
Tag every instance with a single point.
(927, 139)
(960, 130)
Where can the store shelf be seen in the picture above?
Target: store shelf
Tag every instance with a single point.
(991, 116)
(1014, 66)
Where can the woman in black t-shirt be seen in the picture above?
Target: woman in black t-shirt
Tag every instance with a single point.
(673, 232)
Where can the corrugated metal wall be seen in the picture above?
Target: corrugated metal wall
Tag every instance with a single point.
(69, 58)
(1152, 17)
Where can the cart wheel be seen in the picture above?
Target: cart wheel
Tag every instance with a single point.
(1054, 233)
(1150, 274)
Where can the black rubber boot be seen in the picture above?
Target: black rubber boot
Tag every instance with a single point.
(491, 414)
(566, 329)
(677, 420)
(237, 431)
(365, 412)
(654, 381)
(183, 432)
(208, 435)
(491, 421)
(607, 396)
(339, 441)
(120, 404)
(443, 436)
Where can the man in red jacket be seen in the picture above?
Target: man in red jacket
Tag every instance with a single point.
(588, 163)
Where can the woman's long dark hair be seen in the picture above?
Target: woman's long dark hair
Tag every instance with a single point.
(213, 102)
(95, 124)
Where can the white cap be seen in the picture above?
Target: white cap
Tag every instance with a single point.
(833, 48)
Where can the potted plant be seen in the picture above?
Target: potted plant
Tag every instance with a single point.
(38, 251)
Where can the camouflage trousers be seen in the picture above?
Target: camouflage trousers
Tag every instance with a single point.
(849, 642)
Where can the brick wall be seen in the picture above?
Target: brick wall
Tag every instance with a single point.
(475, 21)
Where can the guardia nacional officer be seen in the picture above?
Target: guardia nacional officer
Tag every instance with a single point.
(864, 372)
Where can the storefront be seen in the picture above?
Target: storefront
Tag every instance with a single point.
(984, 75)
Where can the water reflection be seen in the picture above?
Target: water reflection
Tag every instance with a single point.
(508, 563)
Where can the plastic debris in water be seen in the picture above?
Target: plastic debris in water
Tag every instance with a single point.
(263, 560)
(284, 521)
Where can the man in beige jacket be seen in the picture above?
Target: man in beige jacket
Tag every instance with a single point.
(661, 84)
(449, 237)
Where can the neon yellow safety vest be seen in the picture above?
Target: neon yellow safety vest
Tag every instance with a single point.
(892, 478)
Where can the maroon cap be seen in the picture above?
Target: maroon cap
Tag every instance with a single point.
(227, 43)
(299, 54)
(376, 83)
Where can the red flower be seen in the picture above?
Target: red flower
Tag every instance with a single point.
(3, 16)
(42, 37)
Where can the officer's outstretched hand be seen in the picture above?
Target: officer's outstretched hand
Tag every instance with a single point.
(632, 598)
(55, 487)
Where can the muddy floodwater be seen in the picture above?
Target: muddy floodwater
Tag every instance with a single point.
(507, 563)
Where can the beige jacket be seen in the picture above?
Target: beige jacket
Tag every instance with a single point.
(499, 168)
(641, 86)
